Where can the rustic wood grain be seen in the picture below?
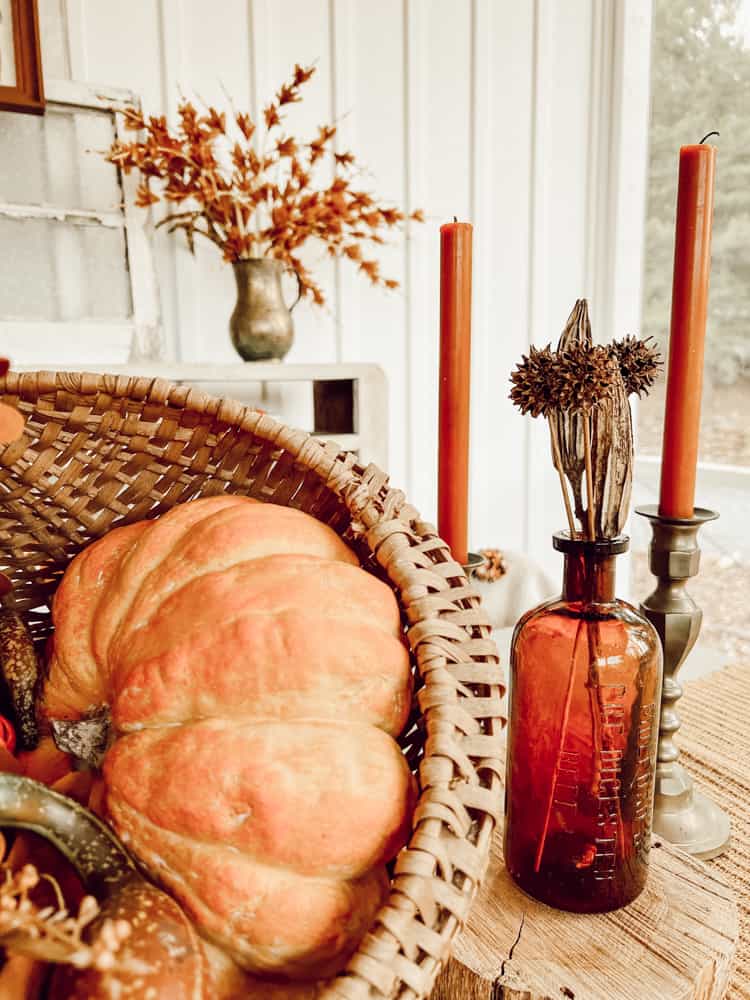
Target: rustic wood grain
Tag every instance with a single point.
(676, 941)
(715, 746)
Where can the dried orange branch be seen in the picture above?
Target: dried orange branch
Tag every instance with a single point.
(256, 204)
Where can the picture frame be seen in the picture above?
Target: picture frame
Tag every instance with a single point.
(21, 84)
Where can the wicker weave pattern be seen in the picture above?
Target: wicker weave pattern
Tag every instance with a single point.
(105, 450)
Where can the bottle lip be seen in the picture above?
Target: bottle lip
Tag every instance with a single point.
(562, 542)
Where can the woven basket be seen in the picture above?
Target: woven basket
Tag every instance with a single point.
(99, 451)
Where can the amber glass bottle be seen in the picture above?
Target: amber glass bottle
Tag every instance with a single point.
(585, 683)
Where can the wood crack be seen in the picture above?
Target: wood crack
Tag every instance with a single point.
(497, 985)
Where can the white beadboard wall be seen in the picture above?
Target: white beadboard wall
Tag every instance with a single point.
(527, 117)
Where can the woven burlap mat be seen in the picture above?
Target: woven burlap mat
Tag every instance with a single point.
(715, 744)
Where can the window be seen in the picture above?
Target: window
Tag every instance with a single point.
(700, 82)
(78, 281)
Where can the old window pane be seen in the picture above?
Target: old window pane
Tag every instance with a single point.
(22, 175)
(62, 224)
(7, 54)
(58, 159)
(58, 271)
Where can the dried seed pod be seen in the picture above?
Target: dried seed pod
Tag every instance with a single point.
(582, 389)
(568, 425)
(577, 327)
(612, 455)
(585, 377)
(639, 362)
(533, 388)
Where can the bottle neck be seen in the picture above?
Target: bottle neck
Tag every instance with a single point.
(589, 577)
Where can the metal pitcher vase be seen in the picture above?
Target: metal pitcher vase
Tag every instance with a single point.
(261, 325)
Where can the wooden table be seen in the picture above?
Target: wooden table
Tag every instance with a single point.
(688, 933)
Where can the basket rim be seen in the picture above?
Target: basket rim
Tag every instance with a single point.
(437, 873)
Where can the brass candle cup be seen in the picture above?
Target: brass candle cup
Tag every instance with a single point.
(682, 814)
(472, 564)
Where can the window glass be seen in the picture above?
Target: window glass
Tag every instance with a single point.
(701, 82)
(64, 267)
(57, 159)
(63, 272)
(7, 53)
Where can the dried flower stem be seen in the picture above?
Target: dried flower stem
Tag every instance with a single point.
(563, 737)
(494, 566)
(258, 199)
(52, 934)
(557, 460)
(589, 477)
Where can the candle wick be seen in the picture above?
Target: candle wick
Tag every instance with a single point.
(708, 136)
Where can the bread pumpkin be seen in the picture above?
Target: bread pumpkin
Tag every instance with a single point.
(254, 677)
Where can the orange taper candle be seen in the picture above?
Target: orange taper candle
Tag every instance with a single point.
(692, 265)
(455, 371)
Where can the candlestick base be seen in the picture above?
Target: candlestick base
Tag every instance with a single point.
(682, 814)
(472, 564)
(686, 817)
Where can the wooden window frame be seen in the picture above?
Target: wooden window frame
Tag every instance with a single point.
(27, 95)
(65, 343)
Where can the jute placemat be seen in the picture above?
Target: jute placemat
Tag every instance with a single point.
(715, 744)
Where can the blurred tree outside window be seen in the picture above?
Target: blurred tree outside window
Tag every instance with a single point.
(701, 82)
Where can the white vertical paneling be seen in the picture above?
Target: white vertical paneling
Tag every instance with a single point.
(122, 46)
(174, 262)
(53, 38)
(214, 70)
(567, 150)
(77, 39)
(260, 47)
(618, 164)
(503, 99)
(370, 104)
(626, 180)
(529, 119)
(421, 280)
(560, 220)
(282, 35)
(538, 483)
(599, 246)
(343, 27)
(629, 162)
(215, 54)
(299, 32)
(440, 43)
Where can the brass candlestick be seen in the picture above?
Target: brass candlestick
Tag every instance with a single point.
(472, 564)
(682, 814)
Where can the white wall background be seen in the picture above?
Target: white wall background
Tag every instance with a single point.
(526, 117)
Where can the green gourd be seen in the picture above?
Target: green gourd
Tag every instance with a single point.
(163, 957)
